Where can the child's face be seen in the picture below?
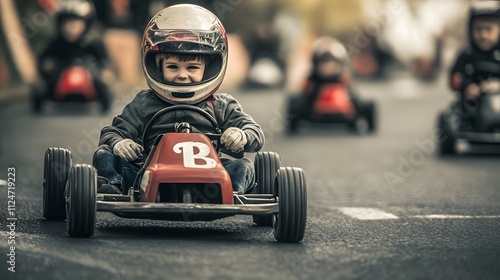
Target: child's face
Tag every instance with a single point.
(485, 34)
(183, 72)
(328, 68)
(72, 29)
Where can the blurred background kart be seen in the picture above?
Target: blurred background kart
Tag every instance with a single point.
(75, 84)
(333, 105)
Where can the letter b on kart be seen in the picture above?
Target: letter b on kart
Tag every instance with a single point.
(189, 156)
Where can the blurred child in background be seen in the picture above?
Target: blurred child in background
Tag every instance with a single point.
(71, 46)
(477, 69)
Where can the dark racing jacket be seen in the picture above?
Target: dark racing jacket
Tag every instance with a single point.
(474, 66)
(223, 107)
(92, 54)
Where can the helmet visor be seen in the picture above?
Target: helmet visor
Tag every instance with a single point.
(200, 40)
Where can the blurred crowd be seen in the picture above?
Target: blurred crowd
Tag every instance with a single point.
(265, 37)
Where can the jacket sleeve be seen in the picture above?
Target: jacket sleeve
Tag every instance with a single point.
(459, 79)
(128, 125)
(233, 116)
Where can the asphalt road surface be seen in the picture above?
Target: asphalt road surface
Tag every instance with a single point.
(380, 206)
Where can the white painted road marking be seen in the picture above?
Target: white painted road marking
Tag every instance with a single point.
(366, 213)
(363, 213)
(3, 183)
(456, 217)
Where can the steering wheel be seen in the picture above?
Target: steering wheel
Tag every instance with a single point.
(199, 111)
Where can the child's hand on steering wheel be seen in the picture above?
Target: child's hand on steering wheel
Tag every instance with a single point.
(234, 139)
(128, 150)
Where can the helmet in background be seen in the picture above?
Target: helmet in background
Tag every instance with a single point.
(81, 9)
(327, 48)
(75, 9)
(485, 9)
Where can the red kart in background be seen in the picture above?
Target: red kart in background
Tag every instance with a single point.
(182, 180)
(332, 105)
(75, 84)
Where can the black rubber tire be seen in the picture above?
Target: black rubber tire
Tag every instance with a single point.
(81, 202)
(371, 114)
(36, 104)
(292, 125)
(266, 164)
(367, 111)
(291, 191)
(57, 163)
(447, 142)
(295, 109)
(105, 101)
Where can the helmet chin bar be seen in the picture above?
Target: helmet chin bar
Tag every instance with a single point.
(183, 94)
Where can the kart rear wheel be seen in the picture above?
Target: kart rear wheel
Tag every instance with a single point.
(266, 164)
(295, 109)
(366, 121)
(81, 201)
(105, 101)
(292, 124)
(371, 114)
(290, 189)
(57, 163)
(447, 141)
(36, 103)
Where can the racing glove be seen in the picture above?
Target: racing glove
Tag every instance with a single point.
(128, 150)
(234, 139)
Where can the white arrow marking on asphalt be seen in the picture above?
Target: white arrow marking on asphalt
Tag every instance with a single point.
(456, 217)
(3, 183)
(363, 213)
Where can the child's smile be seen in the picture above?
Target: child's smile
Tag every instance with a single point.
(183, 72)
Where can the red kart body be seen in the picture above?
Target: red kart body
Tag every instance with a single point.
(186, 158)
(183, 179)
(334, 99)
(76, 84)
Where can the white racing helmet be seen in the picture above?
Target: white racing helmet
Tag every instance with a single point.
(329, 48)
(185, 29)
(75, 8)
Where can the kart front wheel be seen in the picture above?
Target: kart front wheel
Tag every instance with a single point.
(57, 163)
(36, 103)
(81, 201)
(266, 165)
(295, 108)
(366, 121)
(289, 223)
(292, 124)
(447, 141)
(371, 113)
